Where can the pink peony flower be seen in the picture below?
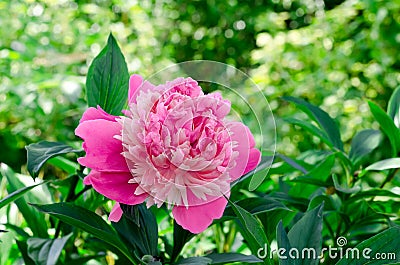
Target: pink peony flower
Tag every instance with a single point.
(173, 146)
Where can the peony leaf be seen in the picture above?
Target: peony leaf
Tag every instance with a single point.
(107, 79)
(46, 251)
(39, 153)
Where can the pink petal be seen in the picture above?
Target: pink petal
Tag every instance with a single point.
(240, 134)
(254, 160)
(96, 114)
(115, 186)
(135, 87)
(134, 83)
(116, 213)
(103, 151)
(196, 219)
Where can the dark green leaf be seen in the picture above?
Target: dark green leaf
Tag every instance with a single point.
(194, 261)
(256, 205)
(86, 220)
(363, 143)
(283, 243)
(23, 249)
(181, 237)
(16, 194)
(310, 128)
(387, 126)
(223, 258)
(327, 124)
(385, 243)
(39, 153)
(306, 234)
(252, 230)
(385, 164)
(139, 228)
(292, 163)
(46, 251)
(394, 107)
(107, 79)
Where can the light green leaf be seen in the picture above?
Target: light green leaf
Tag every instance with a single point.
(385, 164)
(16, 194)
(35, 220)
(394, 107)
(363, 143)
(387, 126)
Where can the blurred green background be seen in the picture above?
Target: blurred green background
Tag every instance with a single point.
(334, 53)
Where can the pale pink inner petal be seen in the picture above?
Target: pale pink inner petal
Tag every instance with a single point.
(116, 213)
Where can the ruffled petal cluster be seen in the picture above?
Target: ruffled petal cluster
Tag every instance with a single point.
(174, 146)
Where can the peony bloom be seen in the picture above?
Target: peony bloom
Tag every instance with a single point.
(173, 146)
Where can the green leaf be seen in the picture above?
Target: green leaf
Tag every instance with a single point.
(46, 251)
(310, 128)
(194, 261)
(386, 242)
(86, 220)
(363, 143)
(107, 79)
(16, 194)
(251, 230)
(372, 193)
(39, 153)
(307, 234)
(394, 107)
(340, 188)
(181, 237)
(283, 243)
(139, 227)
(23, 249)
(223, 258)
(385, 164)
(64, 164)
(34, 219)
(327, 124)
(256, 205)
(387, 126)
(292, 163)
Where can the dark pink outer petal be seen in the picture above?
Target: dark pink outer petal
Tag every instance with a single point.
(136, 85)
(254, 160)
(115, 186)
(196, 219)
(96, 114)
(240, 134)
(103, 151)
